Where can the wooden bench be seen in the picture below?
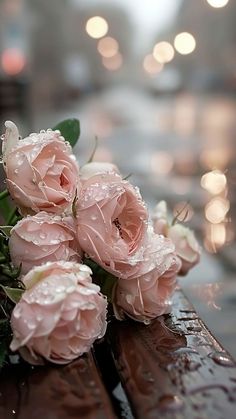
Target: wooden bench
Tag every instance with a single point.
(173, 368)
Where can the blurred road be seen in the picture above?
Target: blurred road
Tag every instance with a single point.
(168, 144)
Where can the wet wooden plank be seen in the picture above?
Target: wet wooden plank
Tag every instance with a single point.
(54, 392)
(174, 368)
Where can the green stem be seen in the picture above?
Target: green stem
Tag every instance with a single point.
(94, 150)
(11, 216)
(4, 194)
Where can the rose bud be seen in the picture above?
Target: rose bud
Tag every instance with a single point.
(186, 245)
(97, 168)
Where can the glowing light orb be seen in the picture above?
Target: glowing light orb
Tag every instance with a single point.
(185, 43)
(218, 3)
(13, 61)
(96, 27)
(163, 52)
(108, 47)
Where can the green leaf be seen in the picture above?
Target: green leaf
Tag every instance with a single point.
(104, 279)
(70, 129)
(3, 353)
(4, 194)
(5, 206)
(11, 216)
(6, 230)
(14, 294)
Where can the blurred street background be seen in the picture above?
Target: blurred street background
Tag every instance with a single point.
(155, 81)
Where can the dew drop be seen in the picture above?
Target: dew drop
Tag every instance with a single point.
(17, 312)
(148, 376)
(31, 324)
(193, 365)
(170, 402)
(42, 235)
(185, 351)
(194, 328)
(60, 289)
(54, 241)
(85, 268)
(221, 358)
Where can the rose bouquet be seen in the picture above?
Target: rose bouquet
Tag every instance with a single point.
(76, 239)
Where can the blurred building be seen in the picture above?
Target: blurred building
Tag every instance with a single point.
(213, 63)
(46, 50)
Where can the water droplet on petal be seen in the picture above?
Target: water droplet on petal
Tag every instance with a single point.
(31, 324)
(54, 241)
(42, 235)
(17, 312)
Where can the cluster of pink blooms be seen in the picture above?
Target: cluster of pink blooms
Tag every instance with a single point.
(69, 214)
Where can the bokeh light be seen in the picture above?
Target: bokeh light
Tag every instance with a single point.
(161, 162)
(185, 43)
(163, 52)
(151, 66)
(218, 3)
(214, 182)
(108, 47)
(216, 210)
(13, 61)
(96, 27)
(211, 158)
(216, 236)
(113, 63)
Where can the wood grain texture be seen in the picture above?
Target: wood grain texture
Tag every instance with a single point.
(174, 368)
(61, 392)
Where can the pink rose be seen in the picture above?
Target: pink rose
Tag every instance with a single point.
(41, 171)
(186, 245)
(148, 295)
(60, 314)
(41, 238)
(111, 220)
(97, 168)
